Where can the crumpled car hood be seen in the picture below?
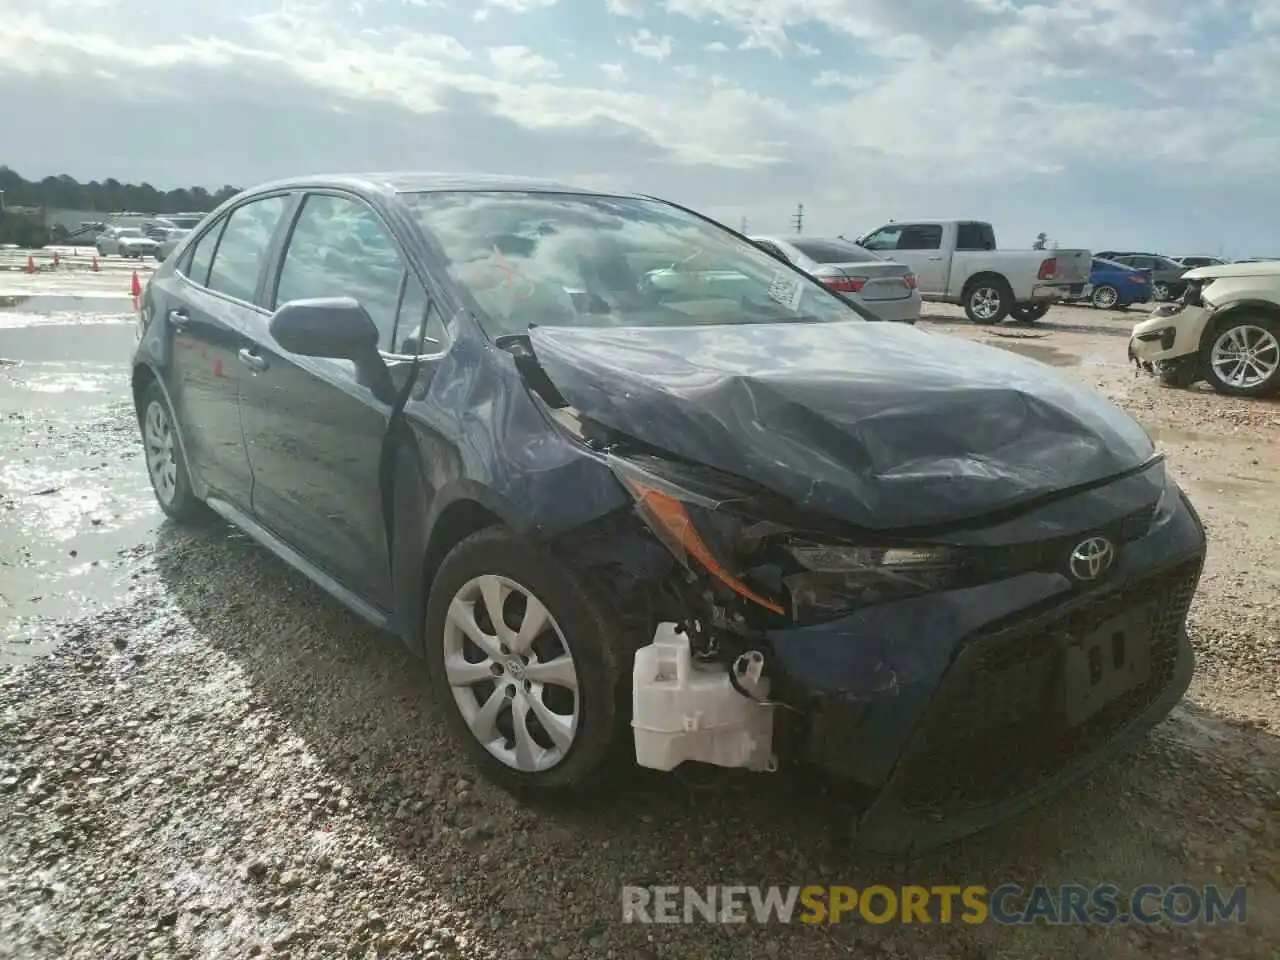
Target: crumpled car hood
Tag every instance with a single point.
(880, 425)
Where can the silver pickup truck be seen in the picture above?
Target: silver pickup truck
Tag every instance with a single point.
(956, 261)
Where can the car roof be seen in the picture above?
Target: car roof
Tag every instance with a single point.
(430, 182)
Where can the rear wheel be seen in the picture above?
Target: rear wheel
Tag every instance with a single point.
(522, 655)
(1105, 297)
(1029, 312)
(988, 300)
(1161, 291)
(1243, 357)
(166, 462)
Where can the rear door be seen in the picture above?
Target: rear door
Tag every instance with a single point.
(314, 433)
(208, 316)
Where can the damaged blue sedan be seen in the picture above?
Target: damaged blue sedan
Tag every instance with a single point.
(626, 481)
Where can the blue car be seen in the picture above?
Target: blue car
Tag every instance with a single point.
(1115, 286)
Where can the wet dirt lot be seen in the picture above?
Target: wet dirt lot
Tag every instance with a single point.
(201, 755)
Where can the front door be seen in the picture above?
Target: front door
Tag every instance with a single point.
(314, 434)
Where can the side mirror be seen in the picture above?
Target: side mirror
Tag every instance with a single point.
(337, 328)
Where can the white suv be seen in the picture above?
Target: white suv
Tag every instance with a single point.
(1225, 330)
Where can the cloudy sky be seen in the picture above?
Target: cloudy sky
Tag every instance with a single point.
(1143, 123)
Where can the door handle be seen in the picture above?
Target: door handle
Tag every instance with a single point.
(937, 259)
(179, 318)
(252, 360)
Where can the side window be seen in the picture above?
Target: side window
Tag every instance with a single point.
(924, 236)
(340, 248)
(886, 238)
(198, 260)
(974, 236)
(417, 319)
(243, 247)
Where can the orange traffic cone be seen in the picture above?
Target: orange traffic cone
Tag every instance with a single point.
(136, 287)
(94, 267)
(31, 264)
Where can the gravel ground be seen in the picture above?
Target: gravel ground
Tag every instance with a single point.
(218, 761)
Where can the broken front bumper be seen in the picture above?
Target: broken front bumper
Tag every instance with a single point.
(1172, 332)
(953, 707)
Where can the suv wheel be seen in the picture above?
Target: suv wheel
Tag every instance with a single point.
(522, 656)
(1243, 358)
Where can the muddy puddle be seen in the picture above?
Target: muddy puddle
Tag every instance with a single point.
(74, 498)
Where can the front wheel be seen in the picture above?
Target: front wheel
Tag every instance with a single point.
(1243, 357)
(1029, 312)
(988, 301)
(1161, 291)
(524, 659)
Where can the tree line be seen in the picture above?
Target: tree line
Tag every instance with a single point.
(106, 196)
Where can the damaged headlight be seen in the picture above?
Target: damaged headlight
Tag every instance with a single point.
(770, 564)
(836, 579)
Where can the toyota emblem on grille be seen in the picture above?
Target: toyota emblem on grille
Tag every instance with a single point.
(1092, 558)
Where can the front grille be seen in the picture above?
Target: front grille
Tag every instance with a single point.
(998, 725)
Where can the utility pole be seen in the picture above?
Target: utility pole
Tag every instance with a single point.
(798, 220)
(743, 228)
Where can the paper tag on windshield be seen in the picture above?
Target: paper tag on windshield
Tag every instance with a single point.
(786, 290)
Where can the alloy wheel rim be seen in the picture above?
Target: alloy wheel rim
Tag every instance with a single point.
(1106, 297)
(1245, 356)
(162, 460)
(1162, 291)
(985, 302)
(512, 673)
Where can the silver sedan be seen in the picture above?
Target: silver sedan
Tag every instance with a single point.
(887, 288)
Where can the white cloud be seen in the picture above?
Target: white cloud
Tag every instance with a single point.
(626, 8)
(716, 46)
(647, 44)
(521, 62)
(837, 78)
(614, 71)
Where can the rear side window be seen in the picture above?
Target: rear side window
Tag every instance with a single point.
(924, 236)
(831, 251)
(237, 264)
(201, 256)
(340, 248)
(975, 236)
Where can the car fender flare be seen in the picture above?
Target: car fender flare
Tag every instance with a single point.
(1227, 310)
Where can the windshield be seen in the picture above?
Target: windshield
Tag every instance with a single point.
(833, 251)
(547, 259)
(129, 232)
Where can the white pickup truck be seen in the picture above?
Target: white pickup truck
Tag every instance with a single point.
(956, 261)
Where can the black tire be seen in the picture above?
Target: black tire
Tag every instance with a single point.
(1029, 312)
(980, 296)
(181, 505)
(1260, 331)
(1179, 374)
(587, 626)
(1105, 297)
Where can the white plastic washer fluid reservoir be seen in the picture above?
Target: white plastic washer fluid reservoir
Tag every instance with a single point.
(686, 710)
